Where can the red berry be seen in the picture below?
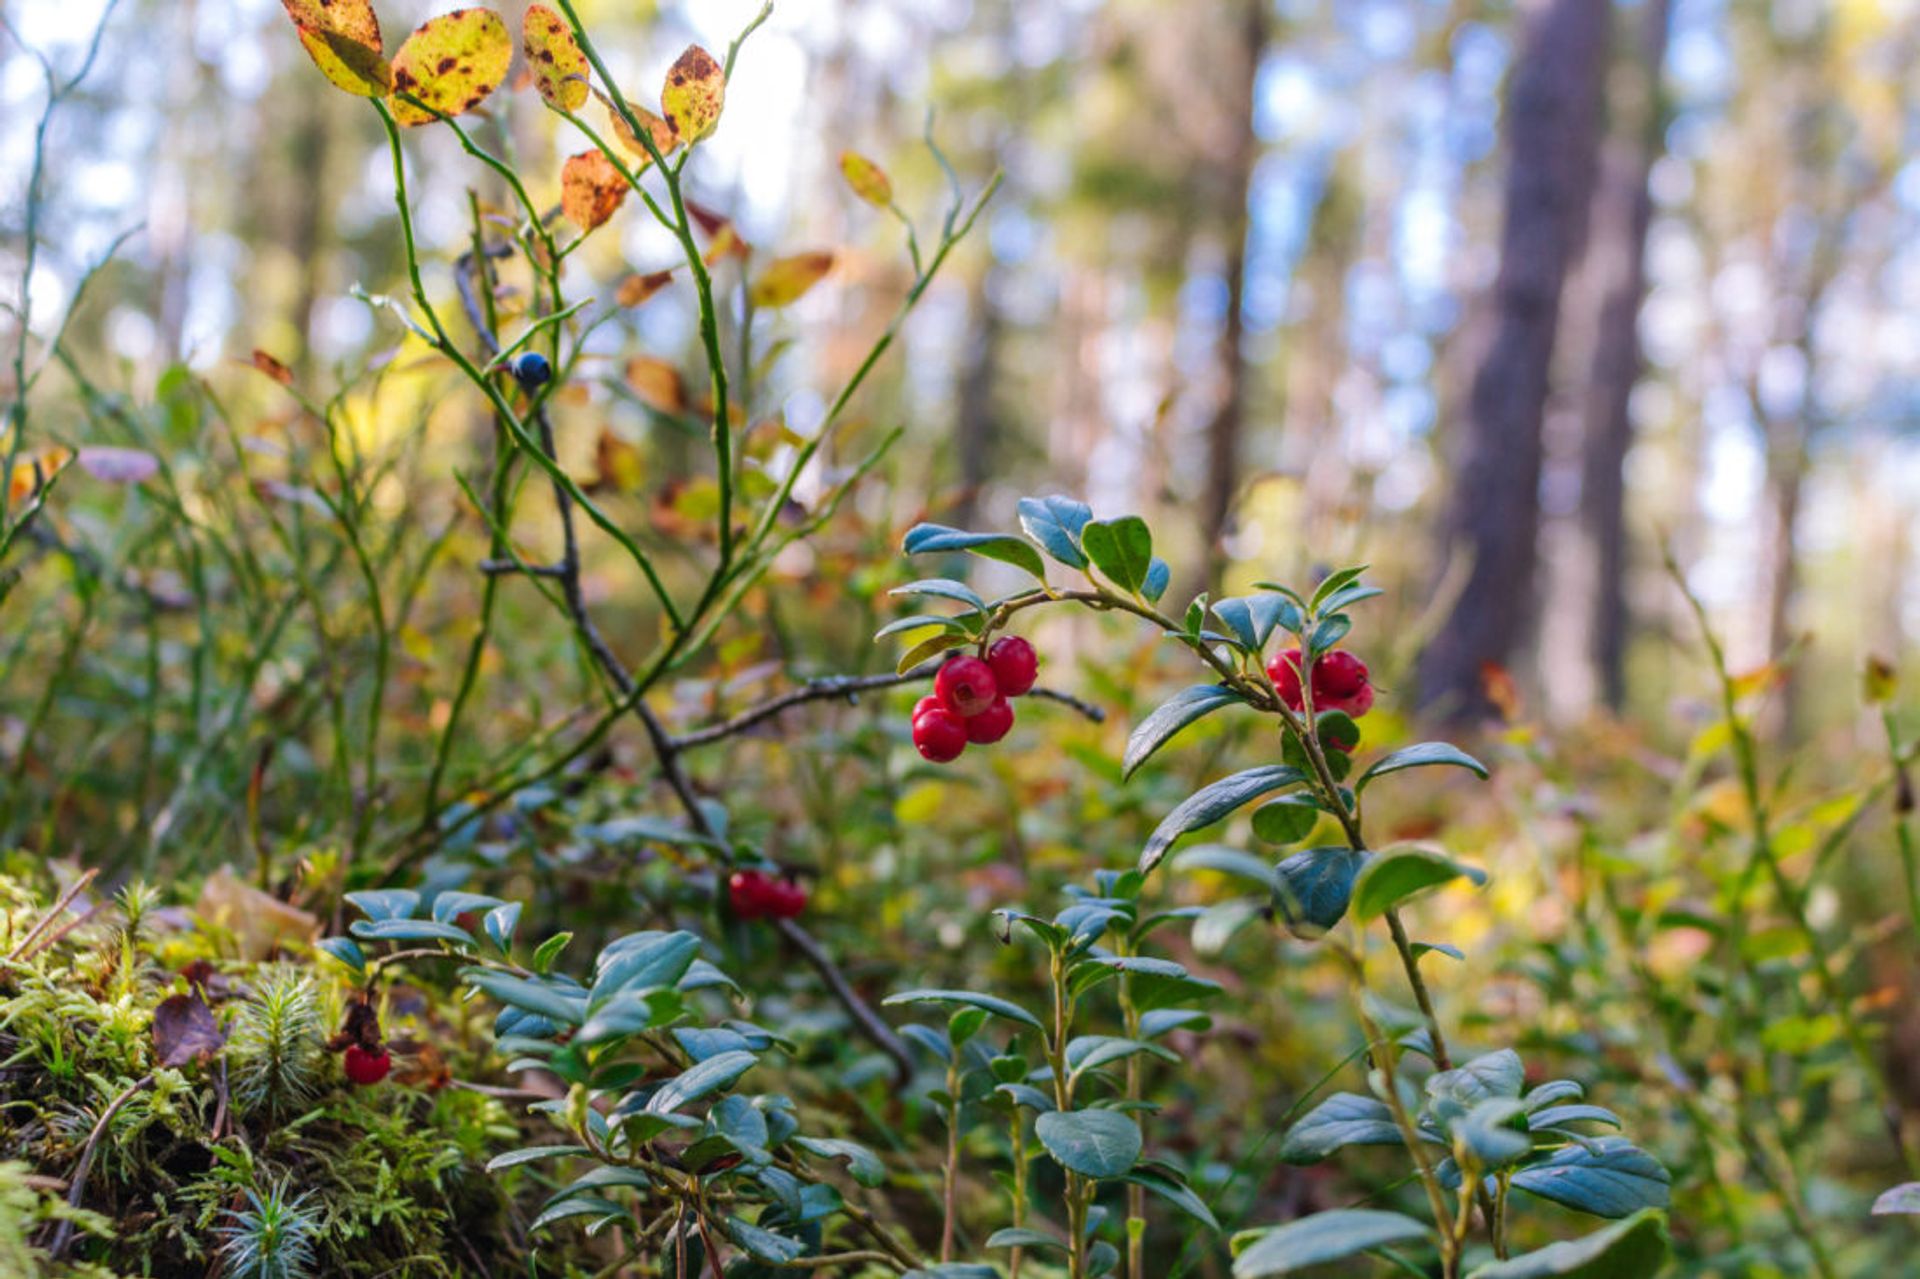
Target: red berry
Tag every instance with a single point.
(966, 686)
(1340, 684)
(788, 899)
(747, 890)
(1015, 665)
(365, 1067)
(991, 724)
(1338, 674)
(939, 735)
(928, 703)
(1284, 670)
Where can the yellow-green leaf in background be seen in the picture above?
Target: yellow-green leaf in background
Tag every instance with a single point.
(695, 91)
(451, 63)
(868, 180)
(559, 68)
(786, 280)
(591, 189)
(343, 39)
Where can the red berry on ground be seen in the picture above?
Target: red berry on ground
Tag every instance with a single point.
(991, 724)
(1284, 670)
(939, 735)
(1015, 665)
(747, 890)
(966, 685)
(365, 1067)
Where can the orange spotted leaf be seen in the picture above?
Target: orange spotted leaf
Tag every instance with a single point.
(868, 180)
(559, 68)
(636, 289)
(343, 39)
(591, 189)
(695, 91)
(450, 63)
(787, 280)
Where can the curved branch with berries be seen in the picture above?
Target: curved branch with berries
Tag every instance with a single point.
(1475, 1136)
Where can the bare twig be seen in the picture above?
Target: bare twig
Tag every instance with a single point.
(78, 1189)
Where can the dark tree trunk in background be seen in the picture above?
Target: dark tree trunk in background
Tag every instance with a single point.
(1553, 124)
(1226, 427)
(976, 426)
(1624, 212)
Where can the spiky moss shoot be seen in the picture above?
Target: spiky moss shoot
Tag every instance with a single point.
(271, 1238)
(278, 1046)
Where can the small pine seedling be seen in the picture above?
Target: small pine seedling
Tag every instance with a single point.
(272, 1238)
(277, 1045)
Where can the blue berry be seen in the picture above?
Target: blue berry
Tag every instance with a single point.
(531, 369)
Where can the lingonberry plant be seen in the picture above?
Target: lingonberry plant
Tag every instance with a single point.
(1473, 1131)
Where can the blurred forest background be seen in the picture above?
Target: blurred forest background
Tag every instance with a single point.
(1499, 296)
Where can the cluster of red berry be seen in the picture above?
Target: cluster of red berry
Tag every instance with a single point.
(1339, 682)
(969, 700)
(758, 896)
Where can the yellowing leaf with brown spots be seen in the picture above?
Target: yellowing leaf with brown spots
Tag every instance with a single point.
(868, 180)
(657, 383)
(272, 367)
(559, 68)
(662, 132)
(451, 63)
(787, 280)
(695, 91)
(343, 39)
(591, 189)
(636, 289)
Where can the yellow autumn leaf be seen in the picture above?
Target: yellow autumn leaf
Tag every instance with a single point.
(726, 243)
(619, 464)
(559, 68)
(34, 472)
(868, 180)
(343, 39)
(657, 383)
(694, 94)
(787, 280)
(451, 63)
(591, 189)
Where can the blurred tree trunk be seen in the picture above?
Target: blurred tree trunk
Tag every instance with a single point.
(1553, 125)
(1225, 428)
(976, 428)
(1625, 208)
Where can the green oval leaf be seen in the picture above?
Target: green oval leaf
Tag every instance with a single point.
(696, 1082)
(1212, 802)
(1093, 1143)
(1324, 1237)
(1286, 820)
(1397, 874)
(1122, 549)
(924, 539)
(1311, 889)
(1608, 1177)
(1168, 718)
(944, 588)
(1344, 1119)
(1056, 523)
(1423, 755)
(1635, 1248)
(991, 1003)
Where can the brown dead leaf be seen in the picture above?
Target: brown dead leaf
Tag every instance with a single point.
(260, 922)
(657, 383)
(272, 368)
(636, 289)
(185, 1031)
